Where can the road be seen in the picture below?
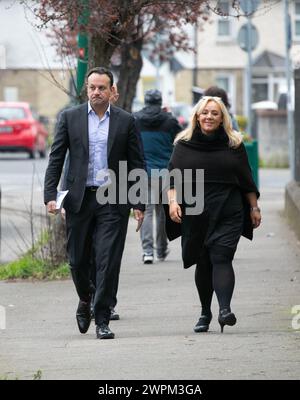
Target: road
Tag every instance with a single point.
(16, 174)
(20, 179)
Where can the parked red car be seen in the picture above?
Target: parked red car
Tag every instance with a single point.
(21, 129)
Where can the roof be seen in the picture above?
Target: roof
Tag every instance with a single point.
(270, 60)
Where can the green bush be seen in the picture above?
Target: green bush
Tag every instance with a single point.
(242, 122)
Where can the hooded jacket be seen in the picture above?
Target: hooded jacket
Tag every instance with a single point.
(158, 130)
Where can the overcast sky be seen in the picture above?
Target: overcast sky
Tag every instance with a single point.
(25, 46)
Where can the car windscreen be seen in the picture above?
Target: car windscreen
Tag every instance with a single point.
(12, 113)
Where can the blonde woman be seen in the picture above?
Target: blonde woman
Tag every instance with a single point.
(210, 239)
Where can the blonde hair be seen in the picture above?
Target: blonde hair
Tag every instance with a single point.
(235, 138)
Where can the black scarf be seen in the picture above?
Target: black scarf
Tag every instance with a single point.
(217, 140)
(221, 163)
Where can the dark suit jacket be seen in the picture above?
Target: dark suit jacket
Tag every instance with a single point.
(72, 134)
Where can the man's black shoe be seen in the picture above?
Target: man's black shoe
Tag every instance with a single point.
(114, 316)
(103, 332)
(83, 316)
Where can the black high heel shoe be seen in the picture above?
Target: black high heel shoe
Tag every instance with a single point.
(226, 317)
(203, 323)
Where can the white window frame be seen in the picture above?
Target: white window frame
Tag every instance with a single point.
(296, 19)
(10, 93)
(2, 57)
(229, 20)
(231, 92)
(270, 80)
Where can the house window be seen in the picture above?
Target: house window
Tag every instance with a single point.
(2, 57)
(11, 93)
(224, 24)
(260, 91)
(297, 19)
(223, 82)
(267, 87)
(223, 28)
(226, 82)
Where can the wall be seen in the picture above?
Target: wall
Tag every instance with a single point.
(292, 205)
(183, 86)
(37, 88)
(292, 190)
(272, 137)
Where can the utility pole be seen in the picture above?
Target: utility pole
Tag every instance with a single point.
(82, 44)
(195, 70)
(249, 76)
(290, 122)
(249, 7)
(0, 224)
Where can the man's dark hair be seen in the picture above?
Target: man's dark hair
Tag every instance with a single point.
(101, 71)
(218, 92)
(153, 97)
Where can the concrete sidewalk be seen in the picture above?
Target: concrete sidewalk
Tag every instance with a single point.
(158, 305)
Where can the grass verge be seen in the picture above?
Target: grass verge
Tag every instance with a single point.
(29, 267)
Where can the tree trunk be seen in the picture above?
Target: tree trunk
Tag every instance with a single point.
(131, 65)
(58, 237)
(100, 51)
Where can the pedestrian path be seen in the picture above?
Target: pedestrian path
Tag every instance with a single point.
(158, 306)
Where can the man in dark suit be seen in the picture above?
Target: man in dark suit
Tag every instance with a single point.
(113, 314)
(98, 136)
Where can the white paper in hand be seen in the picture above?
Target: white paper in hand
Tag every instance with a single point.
(139, 224)
(61, 194)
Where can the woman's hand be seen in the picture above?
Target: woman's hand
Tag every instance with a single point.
(255, 217)
(175, 212)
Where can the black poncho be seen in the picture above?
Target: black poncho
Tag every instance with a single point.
(226, 172)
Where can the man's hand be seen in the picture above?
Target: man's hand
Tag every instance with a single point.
(51, 207)
(139, 217)
(175, 212)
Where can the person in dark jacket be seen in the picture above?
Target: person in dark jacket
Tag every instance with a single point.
(98, 136)
(114, 315)
(158, 129)
(210, 238)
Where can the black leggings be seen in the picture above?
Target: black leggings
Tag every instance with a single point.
(214, 273)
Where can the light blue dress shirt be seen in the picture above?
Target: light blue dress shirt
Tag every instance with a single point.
(98, 136)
